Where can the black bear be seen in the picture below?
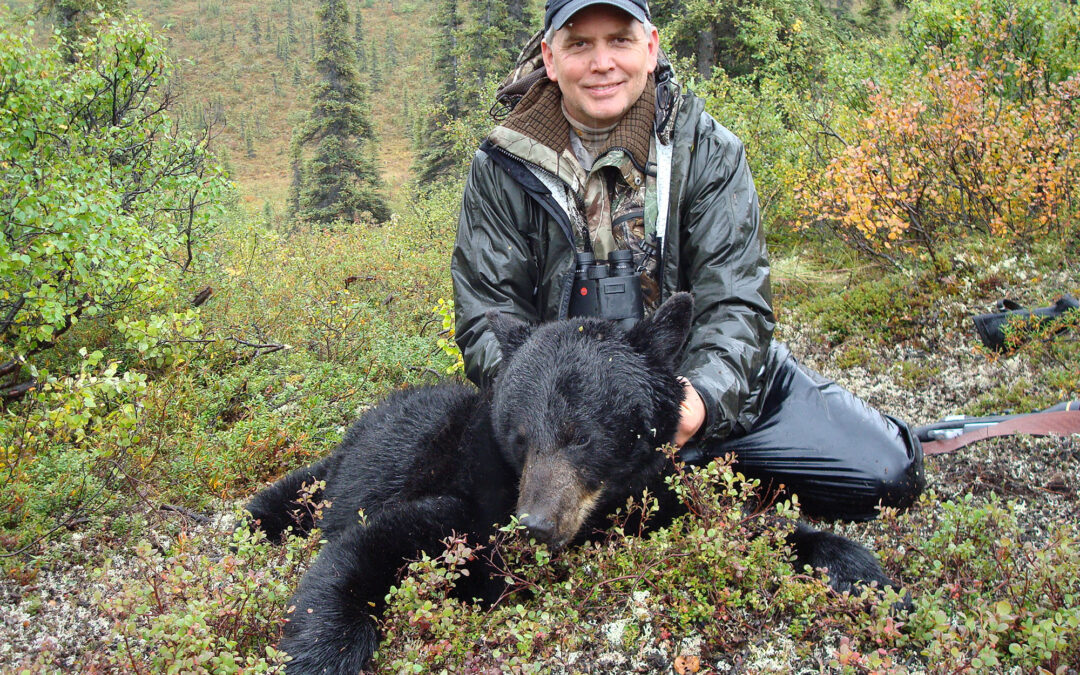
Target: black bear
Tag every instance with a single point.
(567, 433)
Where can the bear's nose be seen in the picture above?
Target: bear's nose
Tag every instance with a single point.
(540, 528)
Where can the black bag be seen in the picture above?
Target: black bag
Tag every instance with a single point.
(990, 327)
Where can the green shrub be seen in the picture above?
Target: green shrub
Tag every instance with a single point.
(98, 192)
(876, 311)
(1009, 38)
(213, 604)
(303, 330)
(991, 596)
(62, 448)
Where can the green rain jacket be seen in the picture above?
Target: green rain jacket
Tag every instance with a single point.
(515, 253)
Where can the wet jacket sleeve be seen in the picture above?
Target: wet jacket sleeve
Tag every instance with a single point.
(492, 266)
(723, 262)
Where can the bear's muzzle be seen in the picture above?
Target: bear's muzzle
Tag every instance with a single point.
(553, 501)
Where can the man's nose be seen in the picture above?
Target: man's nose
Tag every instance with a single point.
(603, 60)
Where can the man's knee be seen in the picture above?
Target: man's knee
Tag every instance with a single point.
(897, 479)
(893, 477)
(900, 491)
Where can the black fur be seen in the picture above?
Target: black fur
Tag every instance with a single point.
(580, 400)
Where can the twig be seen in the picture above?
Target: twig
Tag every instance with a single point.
(640, 576)
(269, 348)
(9, 367)
(197, 517)
(18, 390)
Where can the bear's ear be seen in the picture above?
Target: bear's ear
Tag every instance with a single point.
(664, 333)
(510, 332)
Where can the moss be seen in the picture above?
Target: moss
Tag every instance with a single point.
(1019, 396)
(853, 355)
(914, 375)
(880, 310)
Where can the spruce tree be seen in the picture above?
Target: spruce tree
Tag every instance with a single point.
(478, 41)
(374, 69)
(497, 31)
(435, 151)
(291, 35)
(255, 37)
(358, 39)
(296, 168)
(339, 181)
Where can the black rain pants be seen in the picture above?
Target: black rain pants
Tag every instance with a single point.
(839, 455)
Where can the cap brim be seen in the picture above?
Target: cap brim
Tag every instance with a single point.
(572, 8)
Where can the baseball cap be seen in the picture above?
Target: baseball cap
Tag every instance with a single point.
(558, 12)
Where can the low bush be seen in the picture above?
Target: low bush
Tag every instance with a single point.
(205, 604)
(989, 595)
(957, 149)
(922, 172)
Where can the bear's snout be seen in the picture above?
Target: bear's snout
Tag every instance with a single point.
(553, 500)
(540, 528)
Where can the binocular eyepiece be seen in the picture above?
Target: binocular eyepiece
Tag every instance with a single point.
(610, 290)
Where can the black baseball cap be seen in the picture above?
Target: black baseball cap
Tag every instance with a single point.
(558, 12)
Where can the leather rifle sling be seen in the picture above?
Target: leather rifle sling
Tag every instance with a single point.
(1056, 423)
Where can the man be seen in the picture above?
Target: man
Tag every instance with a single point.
(603, 153)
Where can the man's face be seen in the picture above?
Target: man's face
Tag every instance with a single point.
(601, 60)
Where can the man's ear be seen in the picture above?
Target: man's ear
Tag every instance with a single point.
(654, 48)
(549, 61)
(510, 332)
(662, 335)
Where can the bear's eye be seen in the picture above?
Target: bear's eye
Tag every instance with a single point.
(574, 436)
(518, 437)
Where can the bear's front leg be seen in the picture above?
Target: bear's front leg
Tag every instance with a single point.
(331, 627)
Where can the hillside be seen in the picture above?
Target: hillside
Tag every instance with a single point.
(247, 66)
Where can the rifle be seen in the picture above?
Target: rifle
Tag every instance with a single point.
(956, 431)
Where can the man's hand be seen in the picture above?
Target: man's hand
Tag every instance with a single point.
(693, 414)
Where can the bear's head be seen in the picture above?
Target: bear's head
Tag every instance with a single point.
(579, 409)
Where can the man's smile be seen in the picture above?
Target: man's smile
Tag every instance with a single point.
(603, 89)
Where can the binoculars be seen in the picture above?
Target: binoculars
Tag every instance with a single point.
(610, 290)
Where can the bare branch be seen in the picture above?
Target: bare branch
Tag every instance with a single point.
(17, 391)
(197, 517)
